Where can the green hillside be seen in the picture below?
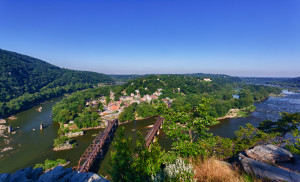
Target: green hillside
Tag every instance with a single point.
(25, 81)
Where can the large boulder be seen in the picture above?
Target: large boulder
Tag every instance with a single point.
(58, 174)
(21, 175)
(4, 177)
(35, 173)
(269, 154)
(263, 170)
(293, 166)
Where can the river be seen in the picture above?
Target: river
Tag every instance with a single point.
(267, 109)
(35, 146)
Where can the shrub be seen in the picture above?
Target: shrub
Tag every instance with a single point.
(48, 164)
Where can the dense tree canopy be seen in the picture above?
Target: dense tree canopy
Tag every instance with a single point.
(25, 81)
(73, 108)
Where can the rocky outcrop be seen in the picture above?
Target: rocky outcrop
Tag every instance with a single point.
(263, 170)
(271, 162)
(3, 130)
(57, 174)
(75, 134)
(65, 146)
(6, 149)
(293, 166)
(2, 121)
(269, 154)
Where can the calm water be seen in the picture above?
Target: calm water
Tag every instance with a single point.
(31, 147)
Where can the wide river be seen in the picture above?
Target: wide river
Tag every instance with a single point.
(31, 146)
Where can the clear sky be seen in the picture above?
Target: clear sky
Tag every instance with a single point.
(235, 37)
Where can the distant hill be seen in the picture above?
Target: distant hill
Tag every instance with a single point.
(25, 80)
(222, 77)
(125, 78)
(284, 82)
(293, 80)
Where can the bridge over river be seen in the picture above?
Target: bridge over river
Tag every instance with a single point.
(95, 150)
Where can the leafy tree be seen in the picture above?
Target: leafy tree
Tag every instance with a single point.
(107, 99)
(294, 147)
(187, 124)
(131, 162)
(287, 123)
(48, 164)
(129, 113)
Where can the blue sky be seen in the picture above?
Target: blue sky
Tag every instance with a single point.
(235, 37)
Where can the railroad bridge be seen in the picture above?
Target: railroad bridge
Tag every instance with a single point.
(95, 149)
(150, 137)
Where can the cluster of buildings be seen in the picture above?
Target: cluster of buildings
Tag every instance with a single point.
(114, 108)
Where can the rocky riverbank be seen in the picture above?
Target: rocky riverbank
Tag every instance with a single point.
(57, 174)
(270, 162)
(65, 146)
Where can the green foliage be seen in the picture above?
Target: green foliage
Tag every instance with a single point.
(246, 137)
(107, 99)
(129, 113)
(169, 84)
(250, 136)
(294, 147)
(185, 125)
(180, 170)
(48, 164)
(220, 106)
(25, 81)
(146, 110)
(287, 123)
(63, 130)
(60, 141)
(73, 108)
(131, 162)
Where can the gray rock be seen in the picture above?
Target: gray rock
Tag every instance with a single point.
(35, 173)
(56, 174)
(96, 178)
(269, 153)
(68, 176)
(293, 166)
(78, 177)
(21, 175)
(263, 170)
(88, 177)
(4, 177)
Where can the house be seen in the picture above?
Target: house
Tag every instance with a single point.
(157, 93)
(207, 79)
(114, 107)
(154, 97)
(146, 98)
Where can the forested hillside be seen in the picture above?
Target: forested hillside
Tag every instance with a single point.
(283, 82)
(174, 85)
(25, 81)
(291, 82)
(188, 90)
